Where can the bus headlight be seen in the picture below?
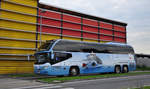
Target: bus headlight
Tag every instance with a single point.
(45, 67)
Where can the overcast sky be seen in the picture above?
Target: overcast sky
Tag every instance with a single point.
(134, 12)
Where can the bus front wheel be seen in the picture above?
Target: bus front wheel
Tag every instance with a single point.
(74, 71)
(117, 69)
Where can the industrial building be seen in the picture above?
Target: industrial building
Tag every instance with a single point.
(26, 24)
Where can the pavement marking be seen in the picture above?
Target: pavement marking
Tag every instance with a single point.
(35, 86)
(49, 87)
(43, 87)
(68, 88)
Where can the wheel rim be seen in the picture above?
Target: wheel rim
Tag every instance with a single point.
(125, 69)
(73, 72)
(117, 70)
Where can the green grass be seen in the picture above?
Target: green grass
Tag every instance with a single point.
(64, 79)
(142, 69)
(145, 87)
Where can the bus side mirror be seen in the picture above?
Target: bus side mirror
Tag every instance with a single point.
(52, 55)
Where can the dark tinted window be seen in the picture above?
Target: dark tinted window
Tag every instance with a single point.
(41, 58)
(67, 46)
(58, 57)
(73, 46)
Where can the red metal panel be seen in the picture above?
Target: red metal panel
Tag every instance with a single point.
(105, 25)
(71, 33)
(119, 28)
(49, 30)
(71, 25)
(120, 34)
(88, 28)
(90, 22)
(104, 31)
(71, 18)
(50, 22)
(50, 14)
(122, 40)
(108, 38)
(90, 35)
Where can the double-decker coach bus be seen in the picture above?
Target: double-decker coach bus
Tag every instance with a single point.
(65, 57)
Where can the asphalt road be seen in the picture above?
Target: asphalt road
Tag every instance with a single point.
(111, 83)
(107, 83)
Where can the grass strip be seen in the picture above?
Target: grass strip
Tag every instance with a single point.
(64, 79)
(142, 69)
(145, 87)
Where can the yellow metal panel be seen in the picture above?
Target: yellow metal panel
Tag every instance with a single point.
(16, 34)
(17, 25)
(71, 38)
(7, 70)
(25, 69)
(104, 41)
(89, 40)
(14, 43)
(16, 63)
(4, 57)
(18, 17)
(9, 67)
(48, 37)
(16, 51)
(26, 2)
(19, 8)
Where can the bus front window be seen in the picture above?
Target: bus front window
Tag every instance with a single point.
(42, 58)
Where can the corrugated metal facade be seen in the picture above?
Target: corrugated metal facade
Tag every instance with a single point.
(67, 24)
(24, 26)
(17, 35)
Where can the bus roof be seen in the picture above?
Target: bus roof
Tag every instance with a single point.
(108, 43)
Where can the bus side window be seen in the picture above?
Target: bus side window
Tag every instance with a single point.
(61, 56)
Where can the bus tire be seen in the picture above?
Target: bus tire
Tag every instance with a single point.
(125, 69)
(74, 71)
(117, 69)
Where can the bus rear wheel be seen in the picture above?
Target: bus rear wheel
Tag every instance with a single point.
(74, 71)
(125, 69)
(117, 69)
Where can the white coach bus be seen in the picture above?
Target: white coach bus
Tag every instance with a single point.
(65, 57)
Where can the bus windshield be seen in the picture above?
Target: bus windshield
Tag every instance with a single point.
(46, 46)
(41, 58)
